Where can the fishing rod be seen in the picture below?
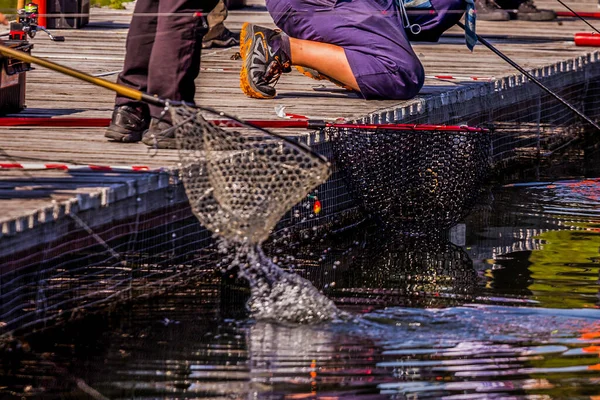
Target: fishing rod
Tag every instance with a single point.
(578, 16)
(533, 78)
(301, 123)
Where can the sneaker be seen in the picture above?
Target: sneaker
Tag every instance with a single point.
(527, 11)
(488, 10)
(225, 39)
(263, 61)
(316, 75)
(160, 135)
(128, 124)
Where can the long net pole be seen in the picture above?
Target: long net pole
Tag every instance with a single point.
(533, 79)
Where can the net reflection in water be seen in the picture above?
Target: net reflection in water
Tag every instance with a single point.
(368, 267)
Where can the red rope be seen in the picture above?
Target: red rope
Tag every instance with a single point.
(583, 14)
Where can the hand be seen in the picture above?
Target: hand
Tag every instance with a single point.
(3, 19)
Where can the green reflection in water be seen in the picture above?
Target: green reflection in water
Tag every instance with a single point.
(565, 274)
(566, 269)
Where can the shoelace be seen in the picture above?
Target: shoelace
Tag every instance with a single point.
(276, 69)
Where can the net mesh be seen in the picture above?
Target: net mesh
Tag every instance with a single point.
(240, 180)
(529, 126)
(414, 181)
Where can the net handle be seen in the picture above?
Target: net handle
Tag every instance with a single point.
(119, 89)
(136, 94)
(532, 78)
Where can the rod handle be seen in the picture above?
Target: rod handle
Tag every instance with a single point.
(115, 87)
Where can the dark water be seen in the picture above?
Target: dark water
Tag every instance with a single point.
(510, 311)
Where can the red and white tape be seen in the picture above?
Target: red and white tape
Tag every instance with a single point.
(75, 167)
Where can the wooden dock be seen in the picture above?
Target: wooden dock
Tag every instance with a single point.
(32, 198)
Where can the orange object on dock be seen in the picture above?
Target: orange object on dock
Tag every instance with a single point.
(582, 14)
(587, 39)
(42, 11)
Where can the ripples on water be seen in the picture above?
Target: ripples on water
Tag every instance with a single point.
(512, 312)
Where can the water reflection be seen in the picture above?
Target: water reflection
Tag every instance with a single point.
(382, 270)
(512, 314)
(540, 241)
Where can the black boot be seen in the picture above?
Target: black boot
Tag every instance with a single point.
(226, 38)
(488, 10)
(128, 124)
(527, 11)
(160, 135)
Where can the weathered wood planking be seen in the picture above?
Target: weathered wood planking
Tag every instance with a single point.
(100, 48)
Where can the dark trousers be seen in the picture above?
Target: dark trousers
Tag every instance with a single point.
(163, 50)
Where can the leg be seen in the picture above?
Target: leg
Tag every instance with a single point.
(218, 35)
(215, 20)
(140, 40)
(376, 47)
(175, 60)
(328, 59)
(360, 43)
(130, 118)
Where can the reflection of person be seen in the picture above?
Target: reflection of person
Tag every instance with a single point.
(162, 58)
(3, 19)
(360, 44)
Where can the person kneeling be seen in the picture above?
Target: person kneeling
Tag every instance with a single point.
(361, 45)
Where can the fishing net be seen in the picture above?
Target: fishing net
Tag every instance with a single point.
(414, 182)
(240, 180)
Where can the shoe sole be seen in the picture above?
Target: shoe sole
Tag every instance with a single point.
(483, 17)
(122, 137)
(166, 143)
(533, 18)
(320, 77)
(246, 84)
(162, 144)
